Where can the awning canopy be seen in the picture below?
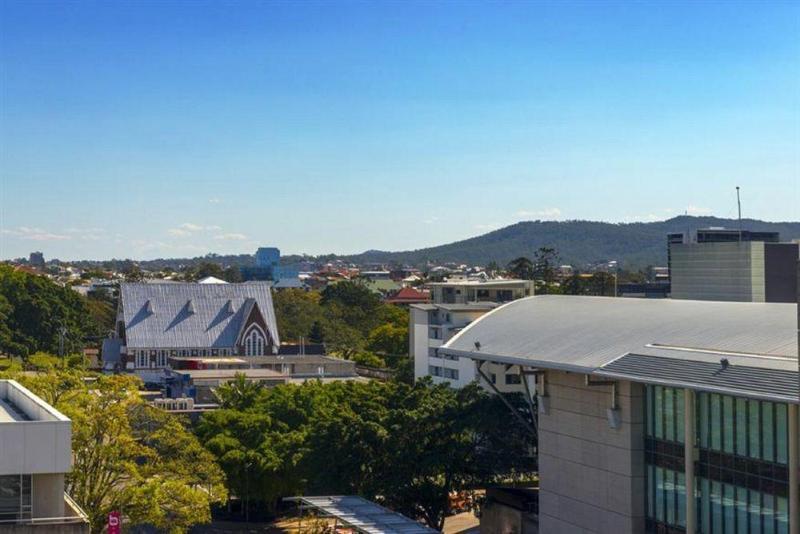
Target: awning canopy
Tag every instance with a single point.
(362, 515)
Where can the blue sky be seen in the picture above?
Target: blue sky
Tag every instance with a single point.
(160, 129)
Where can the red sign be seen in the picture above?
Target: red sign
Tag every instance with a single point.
(114, 523)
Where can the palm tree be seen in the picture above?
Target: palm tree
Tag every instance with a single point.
(238, 394)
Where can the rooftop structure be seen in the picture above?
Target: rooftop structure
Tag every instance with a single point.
(35, 454)
(718, 265)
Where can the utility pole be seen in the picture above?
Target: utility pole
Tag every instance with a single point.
(739, 204)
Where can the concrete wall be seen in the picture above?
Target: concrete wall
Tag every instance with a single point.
(48, 495)
(43, 445)
(591, 476)
(718, 271)
(418, 341)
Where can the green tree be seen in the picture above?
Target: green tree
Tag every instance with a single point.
(521, 268)
(35, 312)
(296, 311)
(389, 339)
(602, 284)
(232, 274)
(238, 394)
(544, 268)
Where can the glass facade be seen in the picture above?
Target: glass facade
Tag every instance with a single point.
(15, 497)
(741, 472)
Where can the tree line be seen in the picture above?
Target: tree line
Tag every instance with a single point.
(408, 447)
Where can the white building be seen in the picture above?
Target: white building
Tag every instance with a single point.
(35, 455)
(456, 303)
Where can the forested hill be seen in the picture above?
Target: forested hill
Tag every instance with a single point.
(578, 242)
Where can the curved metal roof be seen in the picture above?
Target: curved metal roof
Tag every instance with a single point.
(577, 333)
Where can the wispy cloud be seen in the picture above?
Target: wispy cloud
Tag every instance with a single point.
(188, 229)
(231, 237)
(34, 234)
(544, 213)
(179, 232)
(697, 210)
(430, 220)
(214, 201)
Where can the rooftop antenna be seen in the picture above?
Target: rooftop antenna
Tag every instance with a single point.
(739, 204)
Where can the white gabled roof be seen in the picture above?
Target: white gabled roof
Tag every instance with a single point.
(193, 315)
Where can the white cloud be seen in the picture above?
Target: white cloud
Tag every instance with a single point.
(214, 201)
(430, 220)
(188, 229)
(179, 232)
(697, 210)
(34, 234)
(545, 213)
(231, 237)
(487, 227)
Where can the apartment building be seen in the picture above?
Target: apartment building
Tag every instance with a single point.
(455, 304)
(655, 415)
(35, 455)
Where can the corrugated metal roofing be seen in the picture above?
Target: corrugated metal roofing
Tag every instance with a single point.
(365, 516)
(735, 379)
(206, 322)
(583, 333)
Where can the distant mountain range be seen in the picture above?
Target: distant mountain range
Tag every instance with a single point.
(578, 243)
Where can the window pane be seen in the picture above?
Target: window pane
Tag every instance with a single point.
(716, 424)
(768, 512)
(755, 512)
(650, 491)
(754, 429)
(741, 510)
(767, 428)
(680, 488)
(781, 434)
(782, 515)
(659, 494)
(729, 508)
(741, 427)
(669, 490)
(703, 399)
(669, 414)
(727, 421)
(649, 410)
(659, 412)
(705, 506)
(679, 413)
(716, 507)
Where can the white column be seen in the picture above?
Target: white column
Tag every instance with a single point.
(688, 459)
(794, 465)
